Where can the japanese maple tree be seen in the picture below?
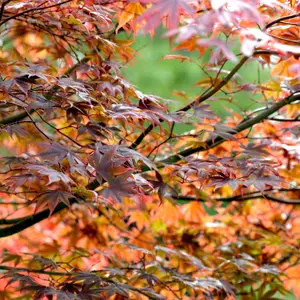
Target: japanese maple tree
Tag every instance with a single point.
(103, 197)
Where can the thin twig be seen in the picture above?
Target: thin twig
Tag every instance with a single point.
(32, 10)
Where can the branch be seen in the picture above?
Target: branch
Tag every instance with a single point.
(209, 144)
(218, 87)
(33, 219)
(206, 96)
(297, 119)
(14, 119)
(240, 198)
(2, 7)
(281, 19)
(199, 99)
(16, 269)
(22, 13)
(11, 221)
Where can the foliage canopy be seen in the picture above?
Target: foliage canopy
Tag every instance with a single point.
(102, 198)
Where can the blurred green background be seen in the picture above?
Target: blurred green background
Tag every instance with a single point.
(153, 75)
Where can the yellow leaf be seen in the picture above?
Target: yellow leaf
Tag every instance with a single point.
(206, 82)
(72, 21)
(272, 89)
(158, 226)
(292, 2)
(141, 219)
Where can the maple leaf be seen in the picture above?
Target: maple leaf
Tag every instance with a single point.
(224, 132)
(97, 130)
(53, 175)
(161, 8)
(222, 47)
(131, 11)
(44, 261)
(106, 162)
(11, 257)
(40, 102)
(56, 152)
(24, 280)
(20, 180)
(16, 130)
(166, 191)
(120, 186)
(127, 152)
(203, 111)
(6, 85)
(255, 150)
(50, 199)
(263, 183)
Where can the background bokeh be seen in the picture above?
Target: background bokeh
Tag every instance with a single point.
(153, 75)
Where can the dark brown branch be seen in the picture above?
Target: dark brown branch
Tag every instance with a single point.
(240, 198)
(297, 42)
(16, 269)
(199, 99)
(5, 2)
(209, 144)
(282, 19)
(206, 96)
(297, 119)
(22, 13)
(218, 87)
(11, 221)
(33, 219)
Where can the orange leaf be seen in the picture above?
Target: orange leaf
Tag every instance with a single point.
(282, 69)
(177, 56)
(193, 212)
(131, 11)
